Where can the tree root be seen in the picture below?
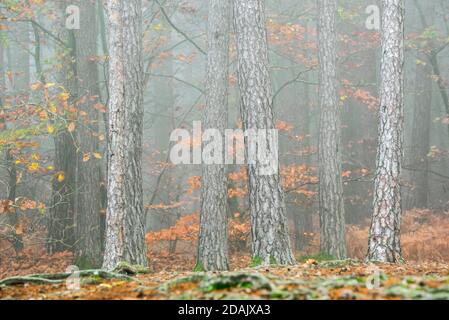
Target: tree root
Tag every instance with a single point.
(207, 282)
(58, 278)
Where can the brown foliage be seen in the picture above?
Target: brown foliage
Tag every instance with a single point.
(425, 237)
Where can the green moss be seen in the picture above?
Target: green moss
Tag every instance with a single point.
(318, 257)
(258, 261)
(199, 267)
(127, 268)
(90, 280)
(236, 281)
(255, 262)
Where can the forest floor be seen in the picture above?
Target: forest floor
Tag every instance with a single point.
(349, 279)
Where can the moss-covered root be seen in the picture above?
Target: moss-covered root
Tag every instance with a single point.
(209, 283)
(236, 280)
(57, 278)
(126, 268)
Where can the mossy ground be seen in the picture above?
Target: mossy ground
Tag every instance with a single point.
(350, 279)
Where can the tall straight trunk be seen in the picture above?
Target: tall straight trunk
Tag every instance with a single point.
(87, 197)
(269, 229)
(213, 236)
(125, 221)
(60, 224)
(331, 202)
(384, 239)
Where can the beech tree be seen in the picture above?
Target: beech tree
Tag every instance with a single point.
(269, 233)
(125, 222)
(331, 202)
(384, 239)
(212, 245)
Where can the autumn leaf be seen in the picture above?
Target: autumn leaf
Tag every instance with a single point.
(35, 86)
(346, 174)
(61, 177)
(49, 85)
(50, 129)
(97, 155)
(86, 157)
(43, 115)
(100, 107)
(64, 97)
(52, 107)
(19, 229)
(33, 167)
(71, 127)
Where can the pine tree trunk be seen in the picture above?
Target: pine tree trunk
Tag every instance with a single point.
(384, 240)
(125, 230)
(269, 229)
(213, 236)
(331, 202)
(87, 198)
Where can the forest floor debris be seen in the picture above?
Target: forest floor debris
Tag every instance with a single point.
(350, 279)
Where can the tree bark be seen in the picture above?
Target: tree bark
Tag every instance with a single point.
(331, 202)
(213, 236)
(125, 231)
(87, 198)
(269, 229)
(384, 239)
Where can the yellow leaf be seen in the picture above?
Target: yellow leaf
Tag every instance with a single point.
(50, 129)
(61, 176)
(97, 155)
(52, 107)
(49, 85)
(35, 156)
(33, 167)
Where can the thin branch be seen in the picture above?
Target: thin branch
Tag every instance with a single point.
(177, 29)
